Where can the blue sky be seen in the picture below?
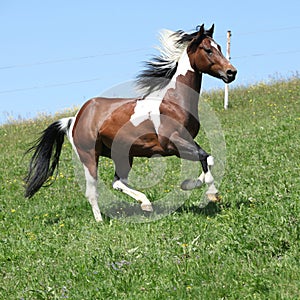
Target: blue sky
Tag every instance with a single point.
(58, 54)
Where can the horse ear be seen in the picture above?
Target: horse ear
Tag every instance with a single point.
(210, 31)
(201, 30)
(197, 39)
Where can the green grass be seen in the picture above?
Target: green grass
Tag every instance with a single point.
(245, 247)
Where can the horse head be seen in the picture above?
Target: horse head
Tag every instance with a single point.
(206, 56)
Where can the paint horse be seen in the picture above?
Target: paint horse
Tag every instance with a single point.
(163, 122)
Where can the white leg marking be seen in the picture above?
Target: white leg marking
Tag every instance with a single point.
(212, 189)
(207, 177)
(138, 196)
(210, 161)
(209, 180)
(92, 194)
(202, 177)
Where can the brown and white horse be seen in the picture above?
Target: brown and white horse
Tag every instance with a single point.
(163, 122)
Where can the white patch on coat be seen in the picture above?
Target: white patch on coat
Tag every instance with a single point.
(148, 108)
(214, 44)
(64, 122)
(69, 132)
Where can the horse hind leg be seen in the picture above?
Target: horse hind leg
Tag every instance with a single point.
(90, 165)
(122, 168)
(92, 193)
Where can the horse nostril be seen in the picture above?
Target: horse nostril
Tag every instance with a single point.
(231, 73)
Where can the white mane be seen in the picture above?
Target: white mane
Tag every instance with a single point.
(163, 66)
(169, 48)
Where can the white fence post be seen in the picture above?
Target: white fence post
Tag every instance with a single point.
(228, 57)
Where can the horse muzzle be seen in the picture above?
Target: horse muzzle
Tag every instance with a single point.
(229, 75)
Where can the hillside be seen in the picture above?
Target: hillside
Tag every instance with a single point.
(245, 247)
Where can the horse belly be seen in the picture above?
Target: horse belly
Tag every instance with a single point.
(146, 145)
(121, 135)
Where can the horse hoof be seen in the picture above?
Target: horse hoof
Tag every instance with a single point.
(214, 197)
(147, 207)
(190, 184)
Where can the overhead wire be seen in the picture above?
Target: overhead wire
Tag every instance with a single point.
(62, 60)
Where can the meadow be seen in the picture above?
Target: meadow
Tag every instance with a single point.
(247, 246)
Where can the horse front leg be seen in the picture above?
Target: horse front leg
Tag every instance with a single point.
(192, 151)
(207, 177)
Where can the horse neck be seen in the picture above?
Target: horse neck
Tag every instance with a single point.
(187, 84)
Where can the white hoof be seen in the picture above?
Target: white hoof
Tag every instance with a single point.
(147, 207)
(97, 214)
(98, 219)
(213, 197)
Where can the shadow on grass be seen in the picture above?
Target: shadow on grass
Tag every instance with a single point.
(130, 212)
(211, 209)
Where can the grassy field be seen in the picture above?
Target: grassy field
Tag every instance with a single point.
(245, 247)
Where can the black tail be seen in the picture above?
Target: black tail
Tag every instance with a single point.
(45, 159)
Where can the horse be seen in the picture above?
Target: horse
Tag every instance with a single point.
(164, 121)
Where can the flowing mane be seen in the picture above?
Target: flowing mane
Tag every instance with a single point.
(172, 44)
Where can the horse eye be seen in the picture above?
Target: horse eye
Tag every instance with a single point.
(208, 51)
